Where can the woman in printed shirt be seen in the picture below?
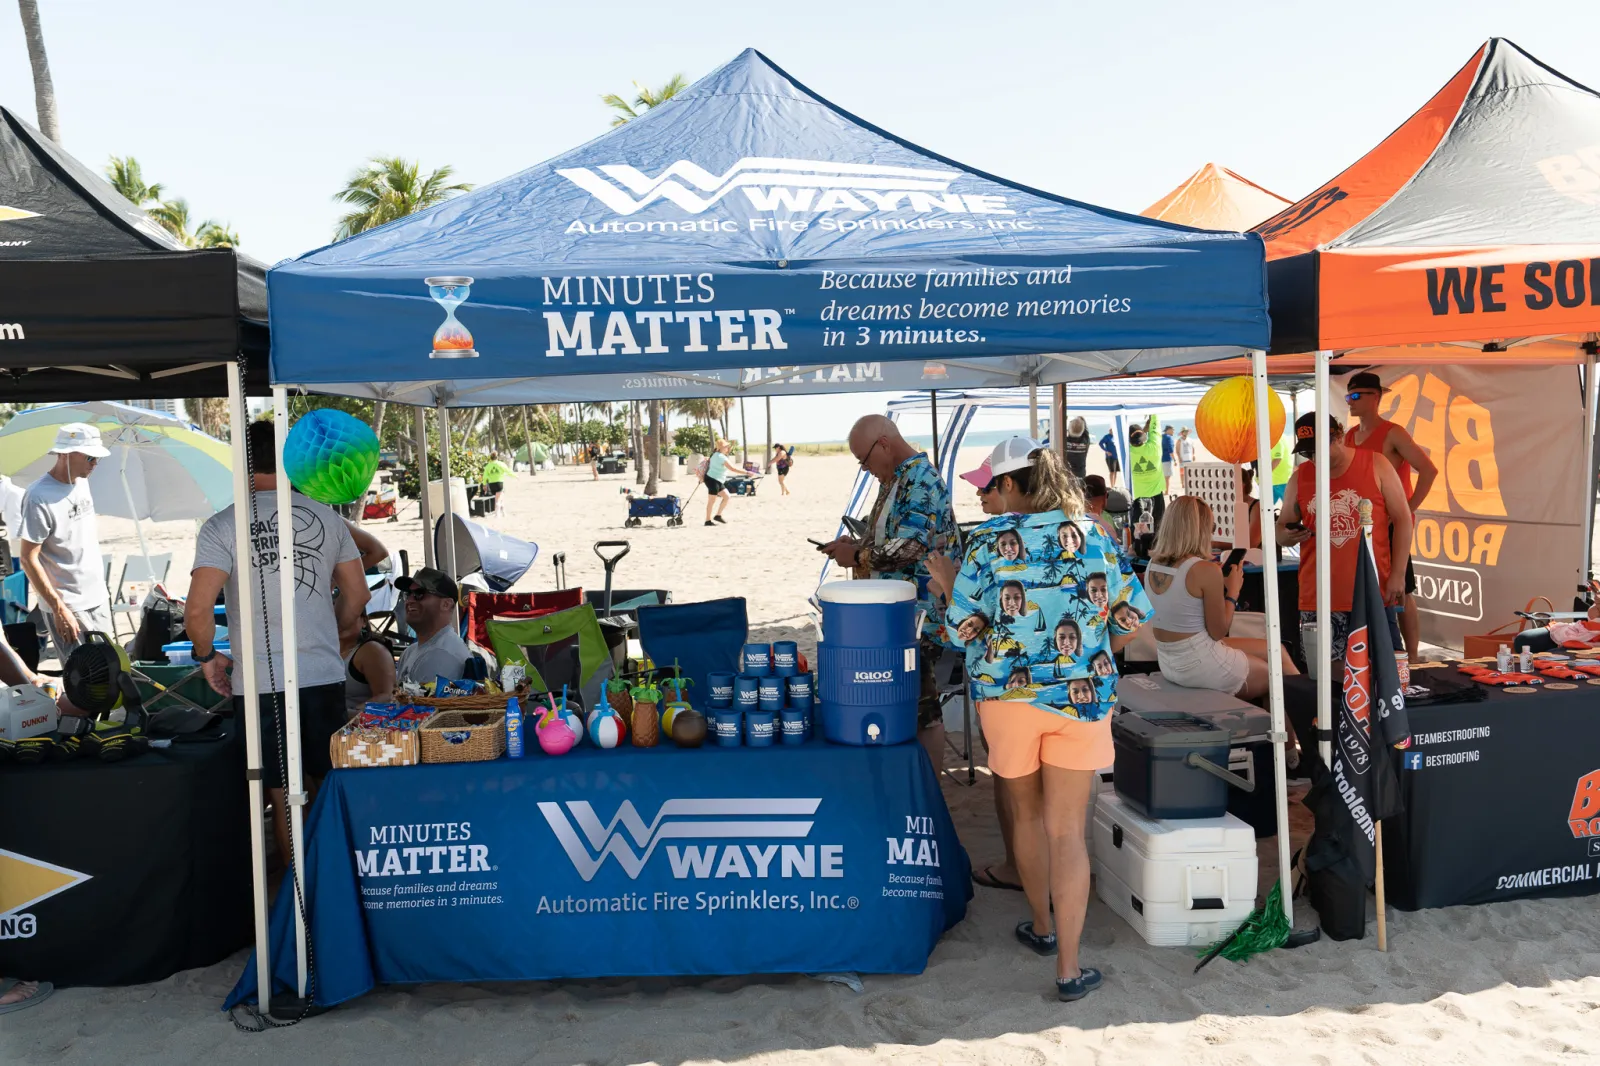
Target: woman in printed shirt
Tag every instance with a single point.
(1046, 737)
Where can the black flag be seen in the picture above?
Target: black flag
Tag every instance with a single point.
(1372, 720)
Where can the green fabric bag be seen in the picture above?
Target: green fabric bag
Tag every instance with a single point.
(510, 640)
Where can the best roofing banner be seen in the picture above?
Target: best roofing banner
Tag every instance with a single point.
(1475, 221)
(749, 223)
(1504, 520)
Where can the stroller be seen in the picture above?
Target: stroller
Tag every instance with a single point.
(640, 508)
(485, 559)
(382, 501)
(741, 484)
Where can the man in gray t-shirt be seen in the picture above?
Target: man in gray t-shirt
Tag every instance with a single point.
(430, 612)
(60, 541)
(325, 560)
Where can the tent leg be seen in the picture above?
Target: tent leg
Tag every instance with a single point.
(1269, 539)
(1033, 411)
(449, 506)
(243, 649)
(420, 419)
(1058, 420)
(1324, 650)
(933, 420)
(294, 780)
(1591, 389)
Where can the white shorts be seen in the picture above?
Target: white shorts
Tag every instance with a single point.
(1201, 662)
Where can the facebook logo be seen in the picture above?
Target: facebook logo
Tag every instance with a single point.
(1413, 760)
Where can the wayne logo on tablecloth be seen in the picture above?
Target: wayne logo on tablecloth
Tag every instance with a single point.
(588, 842)
(783, 184)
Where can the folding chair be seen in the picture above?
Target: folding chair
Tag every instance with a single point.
(479, 608)
(546, 647)
(950, 673)
(701, 638)
(139, 574)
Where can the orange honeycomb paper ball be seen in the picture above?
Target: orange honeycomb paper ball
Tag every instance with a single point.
(1225, 419)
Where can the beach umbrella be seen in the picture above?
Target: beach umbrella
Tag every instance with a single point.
(160, 468)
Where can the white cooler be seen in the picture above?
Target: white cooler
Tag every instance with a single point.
(1182, 883)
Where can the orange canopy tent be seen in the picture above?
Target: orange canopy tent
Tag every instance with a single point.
(1215, 197)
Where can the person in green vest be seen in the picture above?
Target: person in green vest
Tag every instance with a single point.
(1282, 467)
(495, 473)
(1145, 478)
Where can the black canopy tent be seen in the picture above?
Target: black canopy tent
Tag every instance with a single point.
(99, 302)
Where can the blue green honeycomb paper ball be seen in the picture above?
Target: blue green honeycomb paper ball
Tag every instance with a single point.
(331, 456)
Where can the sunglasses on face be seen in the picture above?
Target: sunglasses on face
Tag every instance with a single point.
(417, 594)
(868, 457)
(1352, 397)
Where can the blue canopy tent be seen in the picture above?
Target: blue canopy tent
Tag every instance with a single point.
(747, 237)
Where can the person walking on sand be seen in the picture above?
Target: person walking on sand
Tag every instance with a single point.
(717, 473)
(1047, 696)
(783, 459)
(1185, 457)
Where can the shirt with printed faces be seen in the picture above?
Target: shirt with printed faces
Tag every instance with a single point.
(1054, 591)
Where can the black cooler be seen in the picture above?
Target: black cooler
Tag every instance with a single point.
(1171, 765)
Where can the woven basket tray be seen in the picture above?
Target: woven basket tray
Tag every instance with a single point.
(375, 747)
(470, 703)
(464, 736)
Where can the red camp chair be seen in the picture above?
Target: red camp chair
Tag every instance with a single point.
(480, 607)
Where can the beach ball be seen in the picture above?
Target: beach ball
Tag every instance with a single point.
(1225, 419)
(555, 736)
(330, 456)
(574, 723)
(606, 728)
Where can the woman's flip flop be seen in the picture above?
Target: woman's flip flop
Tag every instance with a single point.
(986, 878)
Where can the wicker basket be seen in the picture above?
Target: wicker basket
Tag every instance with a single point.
(464, 736)
(374, 747)
(485, 702)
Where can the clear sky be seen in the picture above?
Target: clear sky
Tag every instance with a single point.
(258, 112)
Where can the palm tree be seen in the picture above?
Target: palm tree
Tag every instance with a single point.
(44, 91)
(390, 188)
(644, 101)
(173, 216)
(212, 234)
(127, 177)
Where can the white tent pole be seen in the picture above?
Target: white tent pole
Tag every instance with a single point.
(242, 646)
(1324, 650)
(1058, 420)
(420, 421)
(1591, 390)
(449, 504)
(288, 641)
(1269, 585)
(1033, 410)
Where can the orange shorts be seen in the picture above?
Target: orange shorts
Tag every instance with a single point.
(1021, 736)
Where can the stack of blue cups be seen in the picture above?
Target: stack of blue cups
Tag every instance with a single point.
(723, 718)
(759, 695)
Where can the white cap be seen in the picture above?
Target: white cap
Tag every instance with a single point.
(79, 437)
(1009, 456)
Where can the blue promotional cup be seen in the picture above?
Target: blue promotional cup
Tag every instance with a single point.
(756, 660)
(794, 726)
(721, 685)
(760, 729)
(746, 692)
(799, 691)
(770, 693)
(785, 658)
(726, 725)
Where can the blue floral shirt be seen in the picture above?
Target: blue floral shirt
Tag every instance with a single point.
(911, 517)
(1054, 591)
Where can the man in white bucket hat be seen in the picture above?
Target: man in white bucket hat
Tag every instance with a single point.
(61, 541)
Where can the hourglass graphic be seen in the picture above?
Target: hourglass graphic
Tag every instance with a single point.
(451, 340)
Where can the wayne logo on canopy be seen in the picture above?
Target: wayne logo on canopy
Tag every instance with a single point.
(784, 184)
(732, 820)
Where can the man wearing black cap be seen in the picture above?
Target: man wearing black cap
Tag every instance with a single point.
(1354, 475)
(430, 612)
(1376, 433)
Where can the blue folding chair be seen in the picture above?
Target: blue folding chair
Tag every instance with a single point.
(702, 637)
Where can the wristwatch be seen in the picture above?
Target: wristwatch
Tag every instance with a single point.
(207, 657)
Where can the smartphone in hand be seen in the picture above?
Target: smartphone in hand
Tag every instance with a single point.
(1235, 557)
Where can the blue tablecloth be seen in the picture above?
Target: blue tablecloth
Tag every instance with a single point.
(802, 859)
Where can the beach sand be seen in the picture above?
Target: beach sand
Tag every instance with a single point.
(1509, 983)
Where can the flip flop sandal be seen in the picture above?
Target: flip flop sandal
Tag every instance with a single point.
(8, 983)
(1087, 981)
(1039, 945)
(986, 878)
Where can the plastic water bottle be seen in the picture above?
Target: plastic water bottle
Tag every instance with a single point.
(1502, 659)
(513, 729)
(1525, 661)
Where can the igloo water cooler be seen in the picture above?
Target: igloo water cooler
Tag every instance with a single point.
(867, 667)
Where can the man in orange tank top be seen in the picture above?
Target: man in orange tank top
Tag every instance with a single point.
(1378, 434)
(1354, 475)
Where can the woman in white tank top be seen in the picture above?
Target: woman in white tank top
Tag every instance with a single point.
(1192, 609)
